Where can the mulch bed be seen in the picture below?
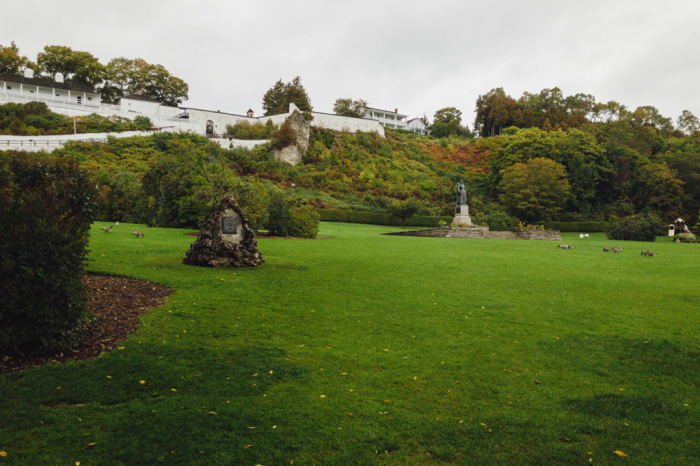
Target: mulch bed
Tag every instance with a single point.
(116, 304)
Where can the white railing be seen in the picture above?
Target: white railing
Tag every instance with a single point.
(16, 97)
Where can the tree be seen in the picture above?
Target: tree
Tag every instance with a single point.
(656, 187)
(351, 108)
(447, 122)
(78, 67)
(124, 77)
(11, 61)
(447, 115)
(277, 99)
(536, 190)
(404, 209)
(688, 123)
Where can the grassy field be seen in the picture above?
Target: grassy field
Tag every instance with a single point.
(377, 349)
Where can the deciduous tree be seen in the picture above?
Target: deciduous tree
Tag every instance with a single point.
(536, 190)
(11, 61)
(351, 108)
(124, 77)
(76, 66)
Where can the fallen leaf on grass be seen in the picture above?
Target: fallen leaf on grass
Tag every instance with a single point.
(212, 412)
(3, 454)
(537, 382)
(387, 401)
(564, 439)
(351, 415)
(619, 453)
(247, 446)
(90, 445)
(142, 382)
(323, 396)
(484, 424)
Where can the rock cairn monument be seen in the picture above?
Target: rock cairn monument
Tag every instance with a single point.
(461, 207)
(226, 239)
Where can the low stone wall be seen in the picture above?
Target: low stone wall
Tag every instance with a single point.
(484, 233)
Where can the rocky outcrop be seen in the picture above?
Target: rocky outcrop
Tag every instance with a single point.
(293, 153)
(226, 239)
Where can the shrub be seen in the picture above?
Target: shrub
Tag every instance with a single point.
(304, 222)
(287, 219)
(686, 237)
(46, 205)
(642, 227)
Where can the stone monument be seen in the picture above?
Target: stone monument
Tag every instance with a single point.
(461, 208)
(226, 239)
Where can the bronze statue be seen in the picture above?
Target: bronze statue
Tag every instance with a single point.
(461, 193)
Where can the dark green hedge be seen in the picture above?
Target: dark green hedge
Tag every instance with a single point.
(372, 218)
(579, 227)
(46, 207)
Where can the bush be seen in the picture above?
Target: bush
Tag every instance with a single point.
(686, 237)
(46, 205)
(498, 221)
(287, 219)
(643, 227)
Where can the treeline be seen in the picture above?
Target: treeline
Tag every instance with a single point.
(550, 110)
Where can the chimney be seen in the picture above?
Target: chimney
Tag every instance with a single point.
(249, 114)
(29, 73)
(396, 110)
(59, 77)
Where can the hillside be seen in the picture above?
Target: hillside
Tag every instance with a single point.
(594, 172)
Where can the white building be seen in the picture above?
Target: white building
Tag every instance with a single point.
(417, 126)
(387, 118)
(54, 92)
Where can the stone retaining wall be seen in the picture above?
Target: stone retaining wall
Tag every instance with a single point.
(483, 232)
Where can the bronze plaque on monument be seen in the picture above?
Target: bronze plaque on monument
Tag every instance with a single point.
(228, 225)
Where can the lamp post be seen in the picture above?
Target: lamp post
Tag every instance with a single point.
(293, 186)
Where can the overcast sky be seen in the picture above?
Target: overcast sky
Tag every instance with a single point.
(417, 56)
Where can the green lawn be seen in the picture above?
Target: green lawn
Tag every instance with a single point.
(381, 349)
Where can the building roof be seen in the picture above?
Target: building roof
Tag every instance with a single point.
(414, 119)
(45, 82)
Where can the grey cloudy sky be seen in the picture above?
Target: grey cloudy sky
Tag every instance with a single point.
(417, 56)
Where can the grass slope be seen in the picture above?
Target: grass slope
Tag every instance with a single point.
(376, 349)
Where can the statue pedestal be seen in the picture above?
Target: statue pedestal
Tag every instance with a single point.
(462, 215)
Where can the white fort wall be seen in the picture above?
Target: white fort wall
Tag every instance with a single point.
(170, 118)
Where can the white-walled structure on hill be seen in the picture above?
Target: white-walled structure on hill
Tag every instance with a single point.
(76, 100)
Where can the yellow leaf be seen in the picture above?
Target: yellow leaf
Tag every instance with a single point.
(212, 412)
(255, 375)
(274, 427)
(142, 382)
(90, 445)
(270, 372)
(387, 401)
(484, 424)
(120, 348)
(323, 396)
(247, 446)
(345, 373)
(619, 453)
(3, 454)
(173, 389)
